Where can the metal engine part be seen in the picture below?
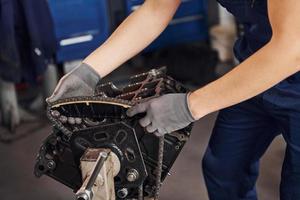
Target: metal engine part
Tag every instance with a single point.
(100, 121)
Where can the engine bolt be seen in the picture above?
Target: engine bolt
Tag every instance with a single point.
(132, 175)
(51, 164)
(122, 193)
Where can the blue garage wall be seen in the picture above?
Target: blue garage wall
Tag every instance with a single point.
(80, 26)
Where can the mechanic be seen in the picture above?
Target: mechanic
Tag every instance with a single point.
(258, 99)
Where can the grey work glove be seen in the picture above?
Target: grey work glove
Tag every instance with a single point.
(164, 114)
(81, 81)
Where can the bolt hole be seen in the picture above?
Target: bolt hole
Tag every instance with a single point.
(129, 153)
(41, 168)
(101, 136)
(121, 136)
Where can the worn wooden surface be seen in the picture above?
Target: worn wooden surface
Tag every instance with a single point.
(104, 185)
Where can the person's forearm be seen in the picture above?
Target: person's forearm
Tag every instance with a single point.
(270, 65)
(133, 35)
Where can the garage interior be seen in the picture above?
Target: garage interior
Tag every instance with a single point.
(204, 58)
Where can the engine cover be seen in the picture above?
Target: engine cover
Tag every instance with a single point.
(100, 121)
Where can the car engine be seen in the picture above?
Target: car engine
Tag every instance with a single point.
(100, 121)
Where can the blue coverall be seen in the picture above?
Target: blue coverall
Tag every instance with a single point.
(243, 132)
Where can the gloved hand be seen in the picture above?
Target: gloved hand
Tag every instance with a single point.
(81, 81)
(164, 114)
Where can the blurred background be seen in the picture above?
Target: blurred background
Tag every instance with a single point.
(42, 40)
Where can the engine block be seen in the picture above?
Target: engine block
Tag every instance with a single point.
(100, 121)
